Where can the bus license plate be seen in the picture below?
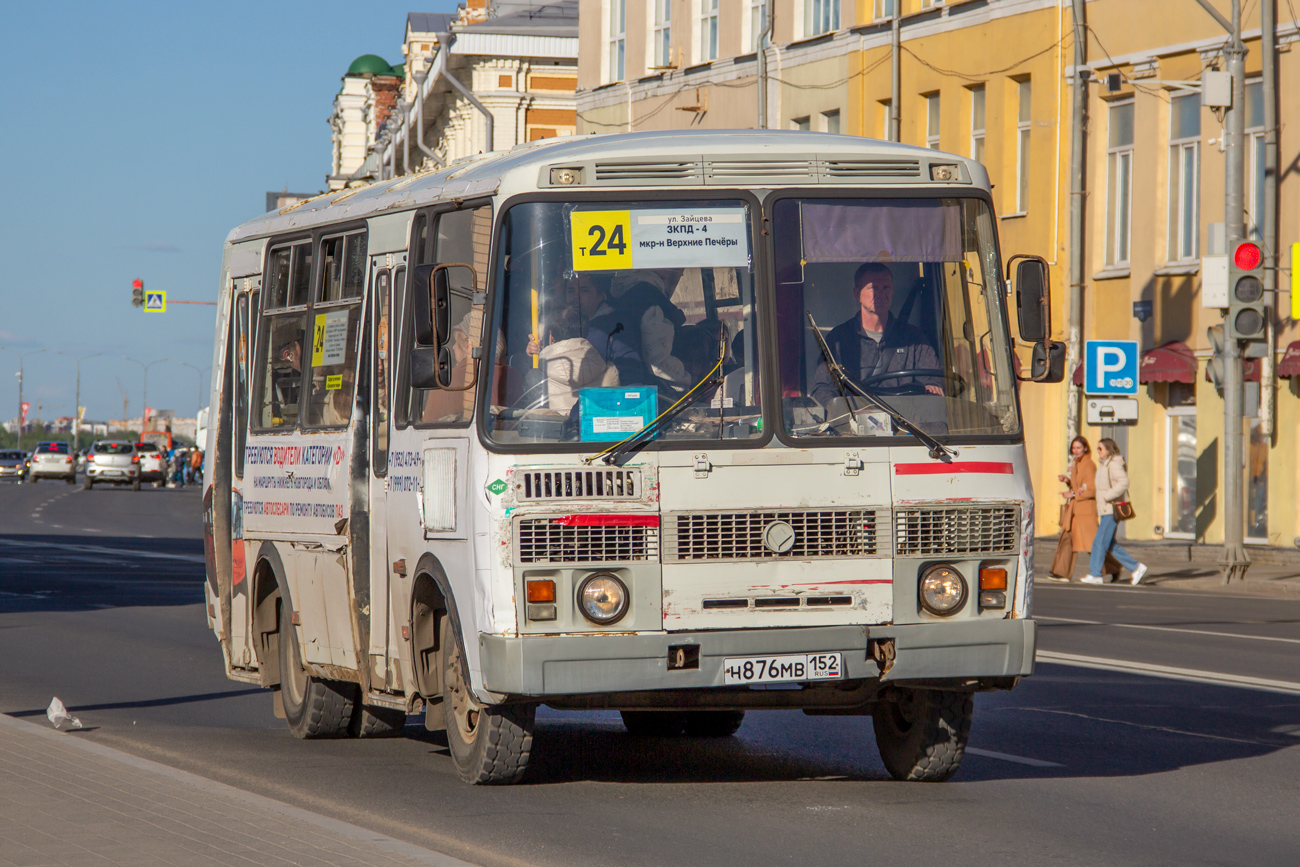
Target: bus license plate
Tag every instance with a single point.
(778, 669)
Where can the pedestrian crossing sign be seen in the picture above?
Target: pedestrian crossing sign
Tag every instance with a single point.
(155, 301)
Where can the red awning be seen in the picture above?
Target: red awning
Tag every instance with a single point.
(1250, 370)
(1290, 363)
(1077, 379)
(1172, 362)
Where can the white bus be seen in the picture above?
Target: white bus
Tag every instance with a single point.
(674, 424)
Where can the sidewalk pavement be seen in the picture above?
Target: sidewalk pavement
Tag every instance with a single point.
(65, 800)
(1273, 572)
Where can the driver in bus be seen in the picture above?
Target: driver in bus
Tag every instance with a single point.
(872, 342)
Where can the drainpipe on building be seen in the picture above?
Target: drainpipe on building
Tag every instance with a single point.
(445, 39)
(420, 93)
(764, 40)
(895, 71)
(1078, 144)
(1268, 219)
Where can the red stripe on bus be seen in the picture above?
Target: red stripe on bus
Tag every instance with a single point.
(607, 521)
(830, 583)
(937, 469)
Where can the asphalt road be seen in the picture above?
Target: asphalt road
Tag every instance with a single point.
(100, 604)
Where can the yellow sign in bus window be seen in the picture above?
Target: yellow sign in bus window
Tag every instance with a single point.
(602, 240)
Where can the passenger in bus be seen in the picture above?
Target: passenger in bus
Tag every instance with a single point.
(872, 341)
(603, 328)
(286, 377)
(571, 362)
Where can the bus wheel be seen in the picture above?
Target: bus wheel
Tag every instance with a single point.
(372, 721)
(487, 744)
(654, 723)
(713, 723)
(313, 707)
(922, 733)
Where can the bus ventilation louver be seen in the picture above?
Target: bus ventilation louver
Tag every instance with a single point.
(848, 169)
(755, 171)
(549, 540)
(616, 173)
(577, 484)
(723, 171)
(956, 531)
(740, 535)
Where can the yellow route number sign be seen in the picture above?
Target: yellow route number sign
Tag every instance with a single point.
(602, 240)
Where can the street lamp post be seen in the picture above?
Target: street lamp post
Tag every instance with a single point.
(19, 418)
(76, 401)
(144, 399)
(202, 372)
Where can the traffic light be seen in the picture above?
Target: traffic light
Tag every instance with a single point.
(1247, 309)
(137, 292)
(1214, 367)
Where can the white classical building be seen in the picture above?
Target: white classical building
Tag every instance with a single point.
(484, 78)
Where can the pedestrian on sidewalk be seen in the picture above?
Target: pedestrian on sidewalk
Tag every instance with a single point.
(1111, 487)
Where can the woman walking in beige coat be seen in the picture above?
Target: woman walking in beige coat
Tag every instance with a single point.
(1112, 486)
(1079, 515)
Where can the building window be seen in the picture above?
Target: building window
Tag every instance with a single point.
(831, 121)
(821, 16)
(1257, 485)
(663, 34)
(977, 123)
(617, 38)
(884, 9)
(803, 124)
(932, 121)
(884, 119)
(757, 23)
(1254, 159)
(1119, 182)
(1024, 93)
(708, 30)
(1184, 176)
(1180, 472)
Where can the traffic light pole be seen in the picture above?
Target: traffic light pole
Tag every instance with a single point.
(1235, 560)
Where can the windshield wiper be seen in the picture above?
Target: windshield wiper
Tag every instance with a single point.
(938, 450)
(689, 399)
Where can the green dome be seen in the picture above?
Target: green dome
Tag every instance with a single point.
(370, 64)
(400, 70)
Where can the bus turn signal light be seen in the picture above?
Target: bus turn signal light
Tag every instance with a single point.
(993, 578)
(541, 590)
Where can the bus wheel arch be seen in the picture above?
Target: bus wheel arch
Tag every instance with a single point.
(431, 602)
(269, 593)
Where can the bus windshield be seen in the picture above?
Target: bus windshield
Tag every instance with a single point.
(908, 296)
(610, 313)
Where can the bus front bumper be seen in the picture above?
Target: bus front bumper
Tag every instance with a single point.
(555, 665)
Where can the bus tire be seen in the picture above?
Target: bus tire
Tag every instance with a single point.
(713, 723)
(488, 745)
(313, 707)
(922, 733)
(654, 723)
(372, 721)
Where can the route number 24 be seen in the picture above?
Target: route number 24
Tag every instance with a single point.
(601, 240)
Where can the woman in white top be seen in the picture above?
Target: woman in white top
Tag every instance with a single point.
(1111, 486)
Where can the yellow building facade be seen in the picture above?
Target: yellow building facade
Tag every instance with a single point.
(992, 79)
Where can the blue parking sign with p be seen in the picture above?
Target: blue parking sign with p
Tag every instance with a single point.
(1110, 367)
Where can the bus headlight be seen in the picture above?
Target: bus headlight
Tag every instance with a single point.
(602, 598)
(943, 590)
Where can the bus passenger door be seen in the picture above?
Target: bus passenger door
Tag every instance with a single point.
(381, 394)
(241, 650)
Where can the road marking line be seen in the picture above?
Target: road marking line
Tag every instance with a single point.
(1007, 757)
(1166, 729)
(97, 549)
(1154, 589)
(1169, 629)
(1152, 670)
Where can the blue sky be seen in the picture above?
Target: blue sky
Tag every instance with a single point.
(137, 135)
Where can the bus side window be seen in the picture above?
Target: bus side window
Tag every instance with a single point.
(243, 361)
(382, 367)
(282, 330)
(461, 236)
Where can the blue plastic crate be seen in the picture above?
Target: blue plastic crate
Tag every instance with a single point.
(616, 413)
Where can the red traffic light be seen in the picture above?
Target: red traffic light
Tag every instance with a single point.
(1247, 257)
(137, 283)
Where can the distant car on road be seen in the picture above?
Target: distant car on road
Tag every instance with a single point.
(113, 462)
(53, 460)
(13, 465)
(153, 463)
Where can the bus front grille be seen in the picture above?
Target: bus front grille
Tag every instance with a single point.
(547, 540)
(956, 531)
(578, 484)
(820, 534)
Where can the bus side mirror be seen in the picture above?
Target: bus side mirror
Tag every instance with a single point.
(1047, 364)
(435, 291)
(1033, 298)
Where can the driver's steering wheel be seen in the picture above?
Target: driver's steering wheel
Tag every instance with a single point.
(958, 384)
